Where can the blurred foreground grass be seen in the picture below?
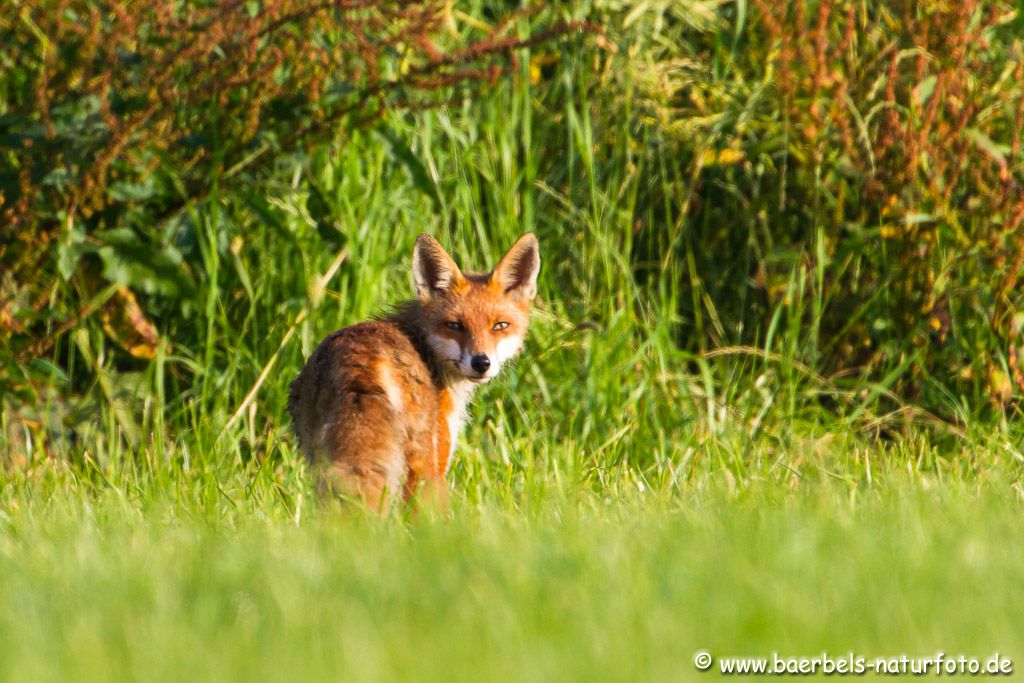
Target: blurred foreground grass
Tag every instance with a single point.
(571, 587)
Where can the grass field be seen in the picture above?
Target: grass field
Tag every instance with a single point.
(663, 471)
(217, 577)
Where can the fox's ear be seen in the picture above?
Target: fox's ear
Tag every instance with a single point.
(433, 270)
(518, 269)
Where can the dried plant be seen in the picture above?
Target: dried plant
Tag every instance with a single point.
(885, 137)
(117, 115)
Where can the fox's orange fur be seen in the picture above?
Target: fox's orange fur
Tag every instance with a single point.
(379, 405)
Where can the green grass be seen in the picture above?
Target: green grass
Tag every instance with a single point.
(574, 586)
(622, 498)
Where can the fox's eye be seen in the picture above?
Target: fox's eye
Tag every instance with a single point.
(454, 325)
(499, 326)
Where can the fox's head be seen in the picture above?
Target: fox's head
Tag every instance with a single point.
(475, 322)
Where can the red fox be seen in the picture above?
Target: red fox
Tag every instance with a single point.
(379, 405)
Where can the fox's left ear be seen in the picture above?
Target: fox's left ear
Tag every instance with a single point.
(518, 269)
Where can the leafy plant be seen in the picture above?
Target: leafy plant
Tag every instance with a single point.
(851, 172)
(117, 118)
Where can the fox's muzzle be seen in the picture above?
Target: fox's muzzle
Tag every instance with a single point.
(481, 363)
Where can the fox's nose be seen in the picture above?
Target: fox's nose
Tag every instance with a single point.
(480, 363)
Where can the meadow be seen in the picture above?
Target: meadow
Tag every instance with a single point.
(769, 401)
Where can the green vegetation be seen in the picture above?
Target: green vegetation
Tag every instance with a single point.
(770, 400)
(622, 590)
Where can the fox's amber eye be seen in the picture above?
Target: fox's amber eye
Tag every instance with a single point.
(499, 326)
(454, 325)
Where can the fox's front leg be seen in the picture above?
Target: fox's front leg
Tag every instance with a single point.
(425, 479)
(431, 491)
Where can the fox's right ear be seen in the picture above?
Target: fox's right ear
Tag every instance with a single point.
(433, 270)
(517, 271)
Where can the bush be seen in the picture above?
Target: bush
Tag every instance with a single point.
(830, 182)
(118, 118)
(850, 172)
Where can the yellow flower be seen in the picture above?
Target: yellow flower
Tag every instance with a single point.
(723, 157)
